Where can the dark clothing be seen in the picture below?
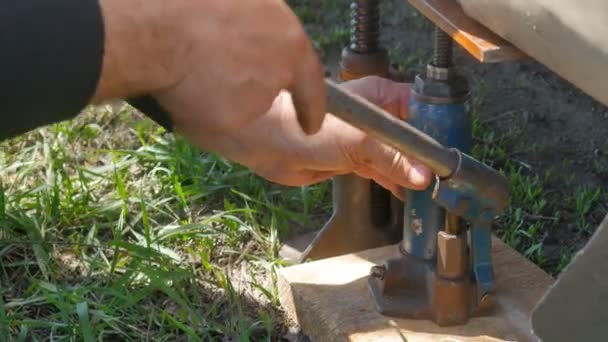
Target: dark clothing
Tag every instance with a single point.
(51, 54)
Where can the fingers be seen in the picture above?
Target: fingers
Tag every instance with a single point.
(384, 182)
(392, 96)
(387, 165)
(380, 162)
(308, 90)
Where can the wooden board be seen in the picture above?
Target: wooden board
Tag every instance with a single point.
(330, 301)
(478, 40)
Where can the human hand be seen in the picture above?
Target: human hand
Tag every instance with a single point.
(217, 64)
(275, 148)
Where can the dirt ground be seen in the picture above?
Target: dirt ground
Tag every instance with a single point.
(552, 130)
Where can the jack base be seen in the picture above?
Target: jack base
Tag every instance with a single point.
(412, 288)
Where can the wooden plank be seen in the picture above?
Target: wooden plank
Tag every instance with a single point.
(330, 300)
(477, 39)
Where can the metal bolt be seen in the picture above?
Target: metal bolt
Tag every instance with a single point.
(365, 39)
(365, 25)
(442, 50)
(378, 271)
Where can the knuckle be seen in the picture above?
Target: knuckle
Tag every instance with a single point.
(398, 165)
(363, 171)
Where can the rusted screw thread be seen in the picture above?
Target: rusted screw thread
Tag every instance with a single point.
(378, 271)
(442, 49)
(365, 26)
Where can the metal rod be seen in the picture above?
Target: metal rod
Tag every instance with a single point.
(442, 49)
(388, 129)
(452, 224)
(365, 26)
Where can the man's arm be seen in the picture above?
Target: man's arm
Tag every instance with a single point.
(238, 78)
(50, 61)
(216, 61)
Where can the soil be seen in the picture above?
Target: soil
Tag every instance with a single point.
(560, 131)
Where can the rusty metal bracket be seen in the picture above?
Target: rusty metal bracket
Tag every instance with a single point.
(478, 40)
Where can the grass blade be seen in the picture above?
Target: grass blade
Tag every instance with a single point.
(82, 309)
(3, 321)
(181, 326)
(23, 333)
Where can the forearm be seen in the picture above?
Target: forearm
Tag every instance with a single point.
(145, 50)
(214, 64)
(50, 60)
(144, 47)
(59, 56)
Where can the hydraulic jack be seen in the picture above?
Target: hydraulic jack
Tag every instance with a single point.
(444, 270)
(439, 275)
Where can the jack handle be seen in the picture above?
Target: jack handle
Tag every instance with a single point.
(454, 168)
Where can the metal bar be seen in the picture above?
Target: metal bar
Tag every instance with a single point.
(388, 129)
(475, 38)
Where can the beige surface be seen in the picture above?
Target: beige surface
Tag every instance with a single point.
(330, 301)
(570, 37)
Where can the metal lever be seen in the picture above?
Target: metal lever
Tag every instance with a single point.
(445, 162)
(383, 126)
(466, 189)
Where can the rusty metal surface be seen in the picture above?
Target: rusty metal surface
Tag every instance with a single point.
(451, 255)
(351, 227)
(478, 40)
(453, 224)
(451, 301)
(356, 65)
(365, 215)
(413, 288)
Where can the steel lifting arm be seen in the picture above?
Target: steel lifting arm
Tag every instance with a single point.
(376, 122)
(452, 167)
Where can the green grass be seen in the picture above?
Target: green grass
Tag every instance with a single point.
(116, 230)
(326, 23)
(537, 210)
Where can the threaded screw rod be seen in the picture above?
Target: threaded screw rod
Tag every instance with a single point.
(442, 49)
(365, 26)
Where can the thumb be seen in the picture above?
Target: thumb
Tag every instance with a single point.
(385, 163)
(308, 92)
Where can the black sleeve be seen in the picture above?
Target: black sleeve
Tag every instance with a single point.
(51, 54)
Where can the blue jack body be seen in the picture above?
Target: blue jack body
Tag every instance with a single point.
(449, 124)
(444, 271)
